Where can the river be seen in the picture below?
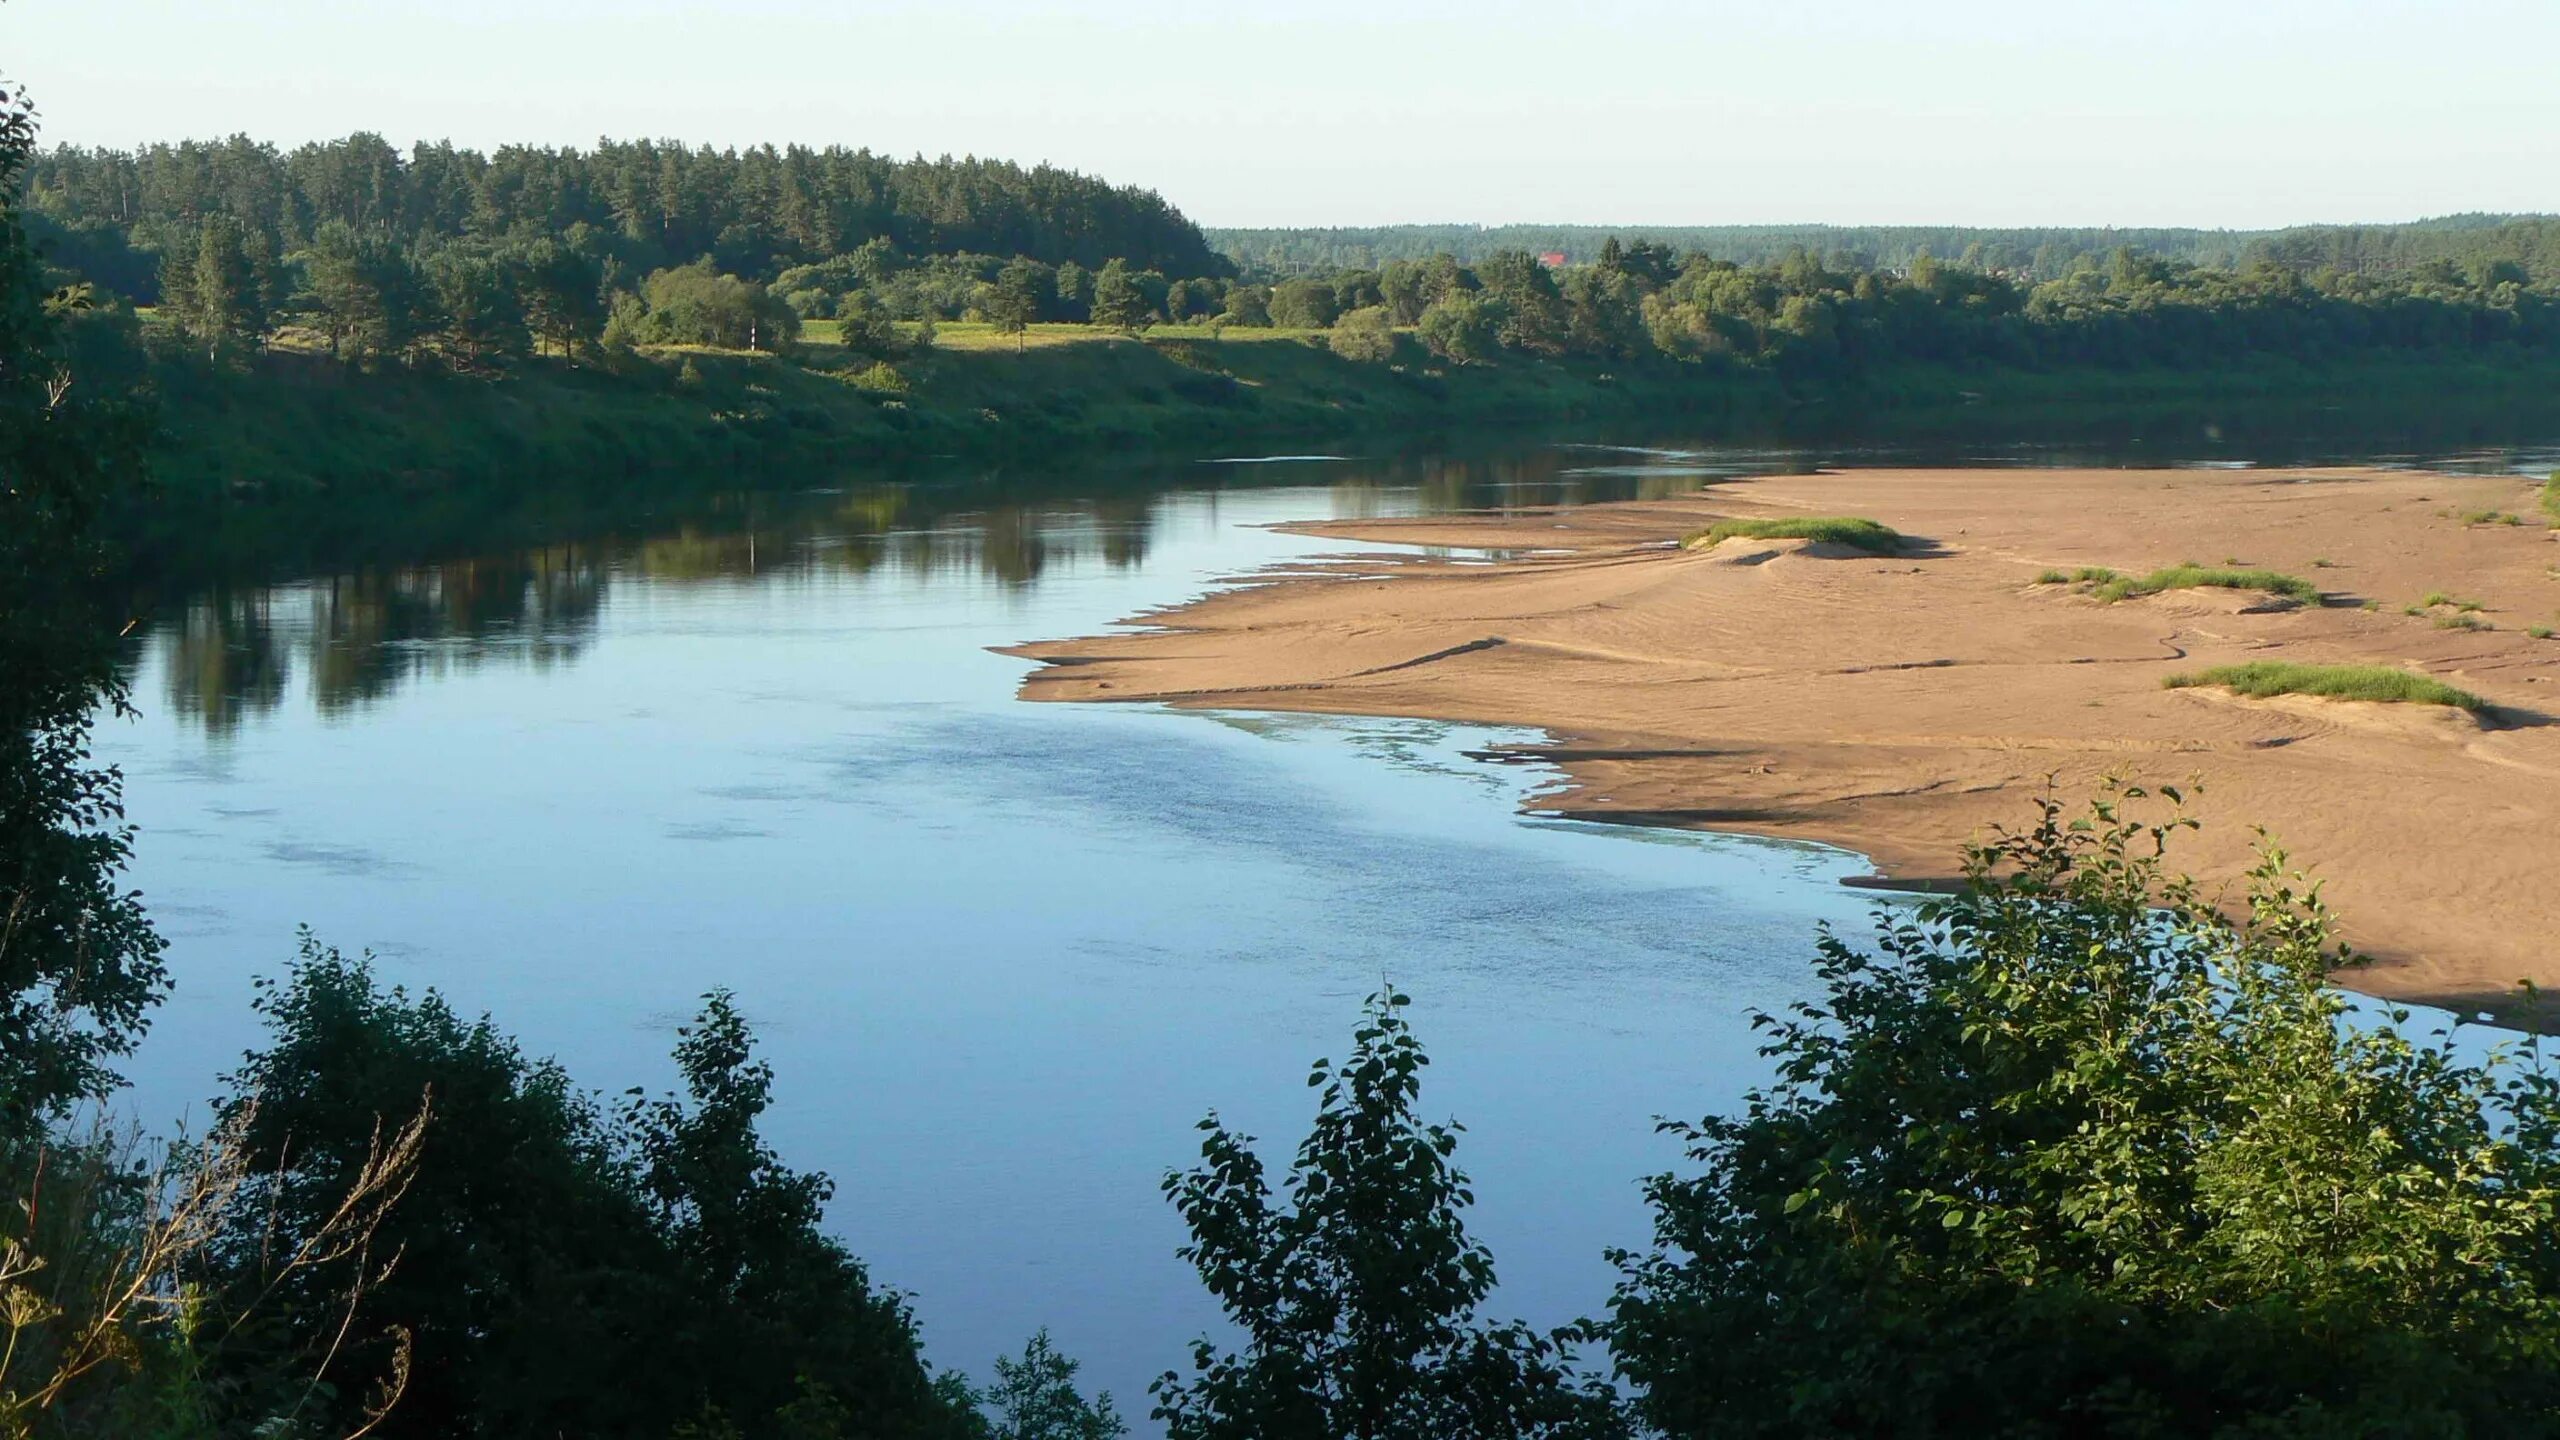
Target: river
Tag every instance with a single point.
(1003, 956)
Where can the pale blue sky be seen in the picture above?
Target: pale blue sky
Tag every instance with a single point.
(1339, 112)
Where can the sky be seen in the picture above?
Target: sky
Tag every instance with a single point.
(2242, 113)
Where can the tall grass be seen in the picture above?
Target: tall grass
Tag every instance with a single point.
(1851, 530)
(2551, 497)
(2183, 577)
(2382, 683)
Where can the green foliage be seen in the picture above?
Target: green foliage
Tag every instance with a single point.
(1035, 1398)
(1118, 303)
(1013, 302)
(2490, 517)
(217, 290)
(80, 964)
(1358, 1301)
(1302, 304)
(2551, 498)
(2070, 1152)
(2380, 683)
(1851, 530)
(757, 211)
(560, 288)
(2487, 248)
(1248, 305)
(698, 305)
(1365, 336)
(365, 293)
(562, 1269)
(482, 318)
(2085, 575)
(1462, 327)
(2184, 577)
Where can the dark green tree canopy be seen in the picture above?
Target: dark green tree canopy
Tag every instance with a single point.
(756, 211)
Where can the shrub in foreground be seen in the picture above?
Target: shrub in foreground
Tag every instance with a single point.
(2072, 1152)
(2383, 684)
(562, 1268)
(1851, 530)
(1358, 1300)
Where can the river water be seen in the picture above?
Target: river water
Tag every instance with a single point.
(1003, 956)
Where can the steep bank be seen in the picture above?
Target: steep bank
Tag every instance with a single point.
(1898, 704)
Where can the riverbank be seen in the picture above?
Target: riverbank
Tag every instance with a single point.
(313, 459)
(1899, 704)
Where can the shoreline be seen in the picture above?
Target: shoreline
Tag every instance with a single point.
(1896, 705)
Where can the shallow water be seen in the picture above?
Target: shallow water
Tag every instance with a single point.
(1004, 956)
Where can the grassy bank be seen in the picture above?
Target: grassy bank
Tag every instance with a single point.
(298, 441)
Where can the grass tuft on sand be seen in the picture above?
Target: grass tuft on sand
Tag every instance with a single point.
(1851, 530)
(2188, 577)
(2380, 683)
(2551, 497)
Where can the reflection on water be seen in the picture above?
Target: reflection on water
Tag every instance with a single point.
(233, 653)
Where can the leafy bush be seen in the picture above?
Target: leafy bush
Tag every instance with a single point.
(1358, 1303)
(1365, 336)
(2382, 683)
(2072, 1153)
(2185, 577)
(1463, 327)
(698, 305)
(1848, 530)
(1302, 305)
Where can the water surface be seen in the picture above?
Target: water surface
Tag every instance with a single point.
(1003, 956)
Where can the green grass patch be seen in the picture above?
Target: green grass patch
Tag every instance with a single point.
(2538, 632)
(2435, 598)
(2551, 497)
(2085, 575)
(2188, 577)
(2490, 517)
(2463, 620)
(2379, 683)
(1851, 530)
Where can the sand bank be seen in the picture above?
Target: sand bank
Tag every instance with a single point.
(1898, 705)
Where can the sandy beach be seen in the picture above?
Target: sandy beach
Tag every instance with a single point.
(1899, 705)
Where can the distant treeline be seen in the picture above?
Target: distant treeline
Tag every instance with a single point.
(1808, 319)
(113, 215)
(2041, 253)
